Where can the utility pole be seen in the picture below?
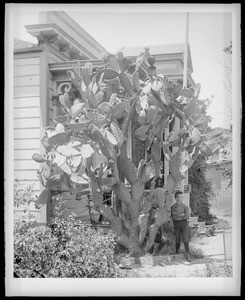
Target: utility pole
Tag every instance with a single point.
(185, 83)
(185, 73)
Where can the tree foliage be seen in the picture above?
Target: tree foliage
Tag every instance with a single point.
(201, 189)
(227, 168)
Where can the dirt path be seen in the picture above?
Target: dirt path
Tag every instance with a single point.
(212, 246)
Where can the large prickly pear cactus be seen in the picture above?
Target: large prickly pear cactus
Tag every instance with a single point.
(97, 114)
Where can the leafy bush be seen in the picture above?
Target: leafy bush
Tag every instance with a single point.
(222, 224)
(219, 223)
(34, 250)
(65, 248)
(23, 194)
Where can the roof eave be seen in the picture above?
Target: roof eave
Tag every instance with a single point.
(52, 33)
(28, 49)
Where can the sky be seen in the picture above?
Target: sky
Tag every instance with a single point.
(116, 26)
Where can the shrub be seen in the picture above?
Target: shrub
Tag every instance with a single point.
(34, 250)
(201, 190)
(218, 270)
(210, 230)
(65, 248)
(218, 223)
(222, 224)
(196, 252)
(23, 194)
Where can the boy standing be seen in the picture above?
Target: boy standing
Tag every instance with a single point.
(180, 214)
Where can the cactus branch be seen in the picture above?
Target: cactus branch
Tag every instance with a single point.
(128, 118)
(127, 167)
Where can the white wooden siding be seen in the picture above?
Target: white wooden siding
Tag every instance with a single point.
(26, 112)
(23, 70)
(26, 165)
(26, 90)
(26, 143)
(26, 133)
(22, 80)
(25, 174)
(26, 76)
(27, 123)
(27, 154)
(26, 61)
(27, 101)
(26, 118)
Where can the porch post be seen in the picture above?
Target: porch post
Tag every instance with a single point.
(44, 96)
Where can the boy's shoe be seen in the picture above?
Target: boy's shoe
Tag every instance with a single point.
(188, 257)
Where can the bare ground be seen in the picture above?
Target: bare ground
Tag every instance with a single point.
(212, 247)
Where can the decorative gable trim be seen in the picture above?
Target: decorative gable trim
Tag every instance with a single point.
(59, 29)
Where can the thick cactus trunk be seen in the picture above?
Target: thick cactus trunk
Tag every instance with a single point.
(131, 222)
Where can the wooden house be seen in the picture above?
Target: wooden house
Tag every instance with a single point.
(40, 75)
